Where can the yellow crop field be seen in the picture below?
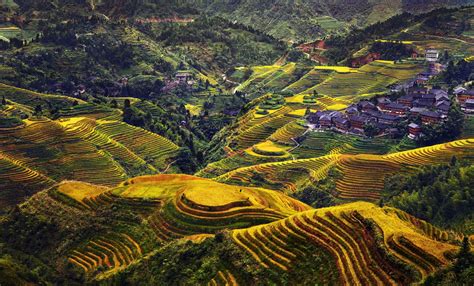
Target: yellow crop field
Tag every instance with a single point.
(268, 148)
(363, 175)
(349, 234)
(80, 191)
(394, 41)
(339, 69)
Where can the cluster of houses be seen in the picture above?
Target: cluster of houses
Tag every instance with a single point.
(465, 97)
(431, 105)
(181, 78)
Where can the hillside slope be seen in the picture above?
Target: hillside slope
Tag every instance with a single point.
(111, 234)
(103, 230)
(87, 142)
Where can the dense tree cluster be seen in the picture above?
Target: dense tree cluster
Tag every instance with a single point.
(391, 51)
(448, 130)
(442, 195)
(459, 72)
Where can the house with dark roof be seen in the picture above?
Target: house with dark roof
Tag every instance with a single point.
(414, 131)
(426, 103)
(430, 117)
(406, 100)
(352, 109)
(388, 119)
(443, 107)
(417, 110)
(372, 113)
(442, 97)
(325, 121)
(421, 79)
(367, 105)
(417, 90)
(438, 91)
(341, 123)
(465, 95)
(184, 76)
(429, 97)
(313, 117)
(358, 122)
(396, 108)
(382, 102)
(468, 106)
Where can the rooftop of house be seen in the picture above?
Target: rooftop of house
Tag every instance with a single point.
(373, 113)
(432, 114)
(352, 109)
(428, 96)
(365, 103)
(406, 98)
(383, 100)
(442, 96)
(413, 125)
(443, 103)
(325, 117)
(418, 109)
(468, 92)
(423, 103)
(438, 91)
(388, 117)
(459, 89)
(394, 105)
(341, 120)
(358, 118)
(418, 89)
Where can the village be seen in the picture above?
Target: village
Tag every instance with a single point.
(415, 104)
(403, 111)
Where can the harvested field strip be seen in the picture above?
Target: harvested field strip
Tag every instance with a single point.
(223, 278)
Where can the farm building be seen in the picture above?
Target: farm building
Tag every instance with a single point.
(430, 117)
(396, 108)
(414, 131)
(406, 100)
(469, 106)
(367, 105)
(432, 55)
(382, 102)
(358, 122)
(184, 76)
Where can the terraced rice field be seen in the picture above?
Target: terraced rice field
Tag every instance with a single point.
(32, 99)
(194, 205)
(362, 175)
(223, 278)
(103, 152)
(310, 79)
(368, 244)
(253, 130)
(313, 169)
(112, 252)
(287, 133)
(14, 176)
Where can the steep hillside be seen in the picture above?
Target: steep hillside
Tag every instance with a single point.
(102, 230)
(360, 176)
(308, 20)
(346, 245)
(88, 143)
(111, 234)
(287, 20)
